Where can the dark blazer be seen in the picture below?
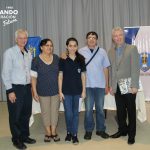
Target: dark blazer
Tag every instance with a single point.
(127, 67)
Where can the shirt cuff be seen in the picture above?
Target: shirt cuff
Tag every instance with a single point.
(33, 73)
(9, 91)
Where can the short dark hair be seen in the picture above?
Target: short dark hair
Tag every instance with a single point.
(44, 42)
(71, 39)
(92, 33)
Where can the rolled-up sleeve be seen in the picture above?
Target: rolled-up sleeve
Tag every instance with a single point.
(34, 68)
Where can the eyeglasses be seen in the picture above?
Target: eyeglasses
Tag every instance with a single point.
(48, 45)
(22, 38)
(94, 38)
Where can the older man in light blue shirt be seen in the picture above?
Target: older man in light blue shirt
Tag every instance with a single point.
(16, 67)
(16, 78)
(96, 84)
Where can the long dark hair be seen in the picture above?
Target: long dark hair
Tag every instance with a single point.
(79, 57)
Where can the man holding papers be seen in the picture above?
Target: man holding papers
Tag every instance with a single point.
(124, 83)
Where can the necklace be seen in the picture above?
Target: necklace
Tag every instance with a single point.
(47, 59)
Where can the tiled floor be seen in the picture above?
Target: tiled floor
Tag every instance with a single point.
(97, 143)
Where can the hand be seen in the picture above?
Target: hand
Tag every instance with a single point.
(61, 96)
(111, 91)
(12, 97)
(106, 90)
(36, 97)
(83, 95)
(134, 90)
(64, 55)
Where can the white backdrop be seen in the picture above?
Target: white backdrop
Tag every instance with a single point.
(109, 103)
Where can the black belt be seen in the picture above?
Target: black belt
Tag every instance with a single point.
(21, 85)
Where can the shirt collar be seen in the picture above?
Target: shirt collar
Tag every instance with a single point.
(120, 47)
(94, 48)
(18, 49)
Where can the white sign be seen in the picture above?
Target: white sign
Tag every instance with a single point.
(8, 15)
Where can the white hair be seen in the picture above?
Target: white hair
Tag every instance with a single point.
(20, 31)
(116, 29)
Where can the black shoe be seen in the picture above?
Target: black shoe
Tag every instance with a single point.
(29, 140)
(47, 138)
(87, 135)
(55, 137)
(68, 137)
(75, 140)
(131, 141)
(103, 134)
(118, 134)
(19, 145)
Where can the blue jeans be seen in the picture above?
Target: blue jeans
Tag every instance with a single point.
(94, 95)
(71, 106)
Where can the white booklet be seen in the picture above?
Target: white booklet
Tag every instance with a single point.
(125, 85)
(81, 103)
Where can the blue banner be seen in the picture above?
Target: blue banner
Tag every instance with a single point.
(33, 45)
(130, 34)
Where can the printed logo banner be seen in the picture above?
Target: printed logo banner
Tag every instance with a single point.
(140, 36)
(33, 45)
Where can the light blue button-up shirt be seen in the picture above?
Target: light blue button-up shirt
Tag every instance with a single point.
(16, 67)
(95, 77)
(119, 53)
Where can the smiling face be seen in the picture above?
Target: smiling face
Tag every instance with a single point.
(21, 39)
(91, 41)
(47, 48)
(72, 47)
(118, 37)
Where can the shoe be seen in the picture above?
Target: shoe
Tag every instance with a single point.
(55, 138)
(47, 138)
(88, 135)
(103, 134)
(75, 140)
(131, 141)
(19, 145)
(29, 140)
(118, 134)
(68, 137)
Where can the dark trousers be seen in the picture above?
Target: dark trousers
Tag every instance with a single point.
(126, 107)
(20, 112)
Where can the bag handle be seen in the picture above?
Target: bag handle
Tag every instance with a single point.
(92, 57)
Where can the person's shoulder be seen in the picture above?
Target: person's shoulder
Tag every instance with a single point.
(131, 48)
(83, 48)
(62, 59)
(102, 50)
(56, 56)
(10, 51)
(36, 59)
(111, 50)
(81, 58)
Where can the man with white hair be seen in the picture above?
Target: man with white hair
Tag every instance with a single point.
(16, 78)
(123, 73)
